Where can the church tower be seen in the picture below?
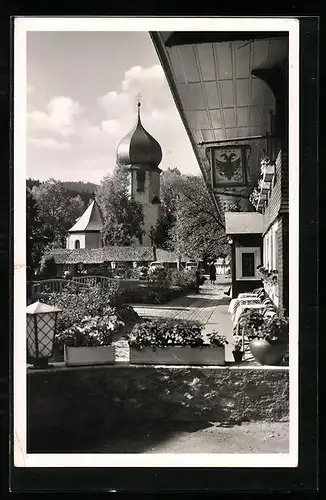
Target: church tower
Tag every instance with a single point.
(141, 154)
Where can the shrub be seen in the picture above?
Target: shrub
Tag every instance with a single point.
(160, 277)
(77, 302)
(48, 267)
(151, 295)
(184, 279)
(166, 333)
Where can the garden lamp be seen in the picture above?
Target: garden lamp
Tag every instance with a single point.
(41, 326)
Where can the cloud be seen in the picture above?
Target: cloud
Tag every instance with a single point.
(95, 133)
(48, 142)
(138, 78)
(59, 117)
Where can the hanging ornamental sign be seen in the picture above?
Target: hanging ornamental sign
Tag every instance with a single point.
(229, 165)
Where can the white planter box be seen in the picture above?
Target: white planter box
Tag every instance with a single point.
(178, 355)
(80, 356)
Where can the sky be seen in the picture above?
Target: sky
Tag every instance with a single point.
(82, 90)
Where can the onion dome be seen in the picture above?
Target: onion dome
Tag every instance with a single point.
(139, 148)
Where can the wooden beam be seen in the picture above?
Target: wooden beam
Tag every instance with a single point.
(194, 37)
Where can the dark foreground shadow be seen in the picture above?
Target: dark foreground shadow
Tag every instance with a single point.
(116, 437)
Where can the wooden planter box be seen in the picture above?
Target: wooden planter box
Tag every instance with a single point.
(81, 356)
(178, 355)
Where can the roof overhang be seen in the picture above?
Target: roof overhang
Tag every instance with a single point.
(243, 223)
(218, 83)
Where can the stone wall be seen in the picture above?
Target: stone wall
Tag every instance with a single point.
(69, 402)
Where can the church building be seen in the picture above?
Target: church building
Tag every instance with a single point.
(140, 154)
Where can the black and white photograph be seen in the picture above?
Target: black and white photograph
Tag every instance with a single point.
(156, 188)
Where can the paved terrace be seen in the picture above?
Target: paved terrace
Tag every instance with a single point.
(210, 308)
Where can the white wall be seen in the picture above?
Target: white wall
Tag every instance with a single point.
(73, 237)
(270, 248)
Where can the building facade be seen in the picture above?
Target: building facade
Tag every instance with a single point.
(231, 89)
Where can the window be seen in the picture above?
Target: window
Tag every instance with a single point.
(77, 244)
(248, 265)
(246, 261)
(141, 182)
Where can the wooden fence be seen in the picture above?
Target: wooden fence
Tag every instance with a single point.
(42, 288)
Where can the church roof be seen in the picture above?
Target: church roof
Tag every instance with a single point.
(89, 221)
(139, 148)
(101, 255)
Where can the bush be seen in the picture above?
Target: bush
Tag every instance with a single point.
(48, 267)
(184, 279)
(166, 333)
(131, 273)
(151, 295)
(160, 277)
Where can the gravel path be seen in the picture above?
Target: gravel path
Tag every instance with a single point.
(210, 308)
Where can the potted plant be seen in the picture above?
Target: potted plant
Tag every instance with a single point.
(254, 197)
(237, 350)
(88, 342)
(269, 341)
(174, 342)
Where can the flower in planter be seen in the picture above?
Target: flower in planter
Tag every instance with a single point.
(237, 344)
(275, 330)
(217, 340)
(254, 197)
(264, 162)
(252, 322)
(166, 333)
(91, 331)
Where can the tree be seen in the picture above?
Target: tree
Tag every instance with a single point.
(197, 231)
(35, 241)
(56, 210)
(171, 180)
(122, 216)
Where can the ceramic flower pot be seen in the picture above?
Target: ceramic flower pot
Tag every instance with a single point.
(267, 353)
(238, 355)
